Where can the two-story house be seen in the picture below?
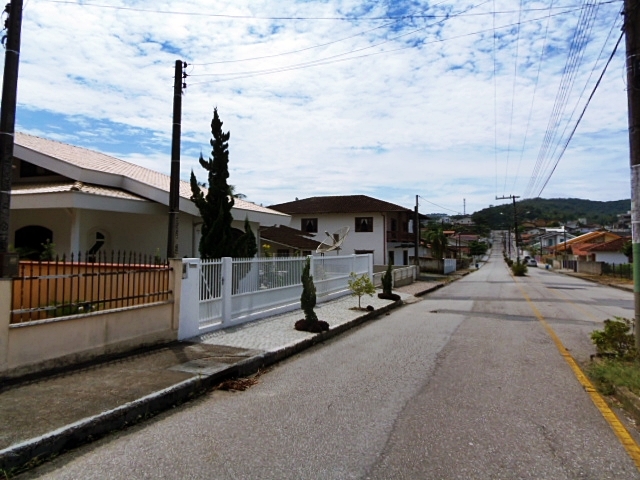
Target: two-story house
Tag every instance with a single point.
(375, 226)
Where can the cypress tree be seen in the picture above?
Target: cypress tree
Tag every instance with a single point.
(217, 238)
(308, 297)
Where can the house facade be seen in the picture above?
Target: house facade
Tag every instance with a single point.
(85, 201)
(594, 247)
(375, 226)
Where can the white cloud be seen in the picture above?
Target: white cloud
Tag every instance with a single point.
(418, 120)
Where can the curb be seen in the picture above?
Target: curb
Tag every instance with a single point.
(630, 401)
(36, 450)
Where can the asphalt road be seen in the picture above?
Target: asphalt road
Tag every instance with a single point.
(466, 384)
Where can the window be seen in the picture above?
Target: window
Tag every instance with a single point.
(364, 224)
(30, 240)
(309, 225)
(394, 225)
(363, 252)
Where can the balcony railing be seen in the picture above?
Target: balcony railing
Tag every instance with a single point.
(394, 236)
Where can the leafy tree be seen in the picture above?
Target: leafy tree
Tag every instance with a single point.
(217, 239)
(478, 248)
(360, 286)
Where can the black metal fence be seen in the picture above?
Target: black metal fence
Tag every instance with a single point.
(621, 270)
(86, 284)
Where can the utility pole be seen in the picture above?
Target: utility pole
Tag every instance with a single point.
(416, 233)
(632, 41)
(13, 25)
(515, 224)
(174, 188)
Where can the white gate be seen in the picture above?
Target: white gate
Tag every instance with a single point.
(222, 293)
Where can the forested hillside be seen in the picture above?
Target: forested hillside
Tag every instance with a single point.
(552, 210)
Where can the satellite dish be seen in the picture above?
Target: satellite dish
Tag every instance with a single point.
(333, 242)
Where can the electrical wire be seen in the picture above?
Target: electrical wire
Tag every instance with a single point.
(440, 206)
(298, 18)
(533, 97)
(513, 100)
(331, 59)
(566, 144)
(292, 52)
(573, 61)
(357, 49)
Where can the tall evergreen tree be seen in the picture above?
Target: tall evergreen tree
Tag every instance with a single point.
(217, 238)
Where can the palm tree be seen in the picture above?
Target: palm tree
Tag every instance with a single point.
(438, 241)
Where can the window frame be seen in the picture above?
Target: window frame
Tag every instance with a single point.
(360, 220)
(305, 221)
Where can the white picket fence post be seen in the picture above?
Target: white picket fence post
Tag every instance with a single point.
(227, 289)
(189, 325)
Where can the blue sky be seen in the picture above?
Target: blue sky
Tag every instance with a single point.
(443, 99)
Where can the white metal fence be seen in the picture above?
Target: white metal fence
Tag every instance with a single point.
(221, 293)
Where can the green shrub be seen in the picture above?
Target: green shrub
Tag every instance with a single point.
(615, 339)
(518, 269)
(387, 281)
(308, 297)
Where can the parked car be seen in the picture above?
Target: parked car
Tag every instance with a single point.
(532, 262)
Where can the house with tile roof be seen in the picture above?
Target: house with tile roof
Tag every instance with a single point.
(600, 246)
(375, 226)
(284, 241)
(85, 201)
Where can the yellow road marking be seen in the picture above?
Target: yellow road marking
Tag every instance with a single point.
(619, 429)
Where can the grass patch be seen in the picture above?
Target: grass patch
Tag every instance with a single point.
(610, 373)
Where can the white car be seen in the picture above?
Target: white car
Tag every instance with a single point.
(532, 262)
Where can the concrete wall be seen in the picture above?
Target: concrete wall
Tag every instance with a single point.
(591, 268)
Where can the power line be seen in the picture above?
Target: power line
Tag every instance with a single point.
(308, 48)
(334, 58)
(574, 58)
(566, 144)
(347, 18)
(533, 97)
(440, 206)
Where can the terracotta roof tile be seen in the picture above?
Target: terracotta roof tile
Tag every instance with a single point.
(96, 161)
(42, 188)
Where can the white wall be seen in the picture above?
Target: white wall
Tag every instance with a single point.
(611, 257)
(139, 233)
(355, 240)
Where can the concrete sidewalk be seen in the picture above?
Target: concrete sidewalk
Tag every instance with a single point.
(44, 416)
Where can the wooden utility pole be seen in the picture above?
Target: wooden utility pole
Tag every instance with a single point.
(174, 187)
(632, 40)
(515, 224)
(416, 235)
(13, 25)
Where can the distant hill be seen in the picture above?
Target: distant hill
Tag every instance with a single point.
(552, 209)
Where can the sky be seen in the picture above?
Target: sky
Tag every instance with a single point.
(456, 101)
